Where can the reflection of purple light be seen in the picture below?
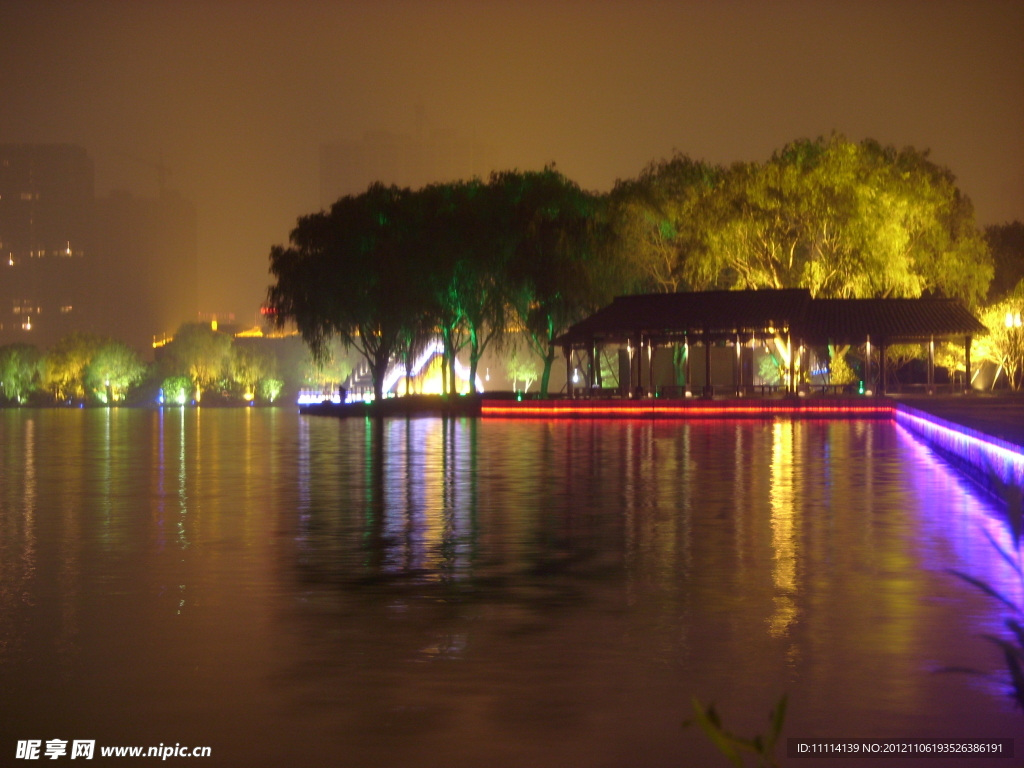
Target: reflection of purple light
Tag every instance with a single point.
(969, 523)
(983, 452)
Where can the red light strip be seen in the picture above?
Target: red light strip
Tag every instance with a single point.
(557, 409)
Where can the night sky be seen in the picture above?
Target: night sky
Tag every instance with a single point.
(238, 97)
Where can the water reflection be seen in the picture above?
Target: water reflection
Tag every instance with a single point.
(782, 497)
(438, 591)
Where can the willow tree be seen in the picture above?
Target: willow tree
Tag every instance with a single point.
(66, 364)
(563, 267)
(21, 368)
(113, 370)
(201, 354)
(351, 273)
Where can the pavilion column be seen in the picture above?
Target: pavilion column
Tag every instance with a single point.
(590, 368)
(867, 364)
(931, 365)
(686, 366)
(567, 351)
(737, 378)
(709, 391)
(792, 364)
(650, 367)
(639, 365)
(967, 358)
(883, 364)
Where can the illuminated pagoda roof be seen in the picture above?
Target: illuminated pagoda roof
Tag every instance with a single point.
(668, 317)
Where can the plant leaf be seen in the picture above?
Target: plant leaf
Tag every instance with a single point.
(708, 721)
(986, 589)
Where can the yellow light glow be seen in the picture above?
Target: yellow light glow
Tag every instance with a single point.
(213, 325)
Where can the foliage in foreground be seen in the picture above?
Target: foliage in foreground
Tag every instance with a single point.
(734, 747)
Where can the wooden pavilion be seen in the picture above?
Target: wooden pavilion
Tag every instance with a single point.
(790, 319)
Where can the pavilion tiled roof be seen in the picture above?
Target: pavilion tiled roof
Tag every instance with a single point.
(715, 311)
(849, 321)
(722, 313)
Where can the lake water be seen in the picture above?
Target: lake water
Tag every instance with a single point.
(295, 590)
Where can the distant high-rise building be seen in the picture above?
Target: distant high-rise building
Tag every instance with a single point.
(349, 167)
(46, 240)
(120, 266)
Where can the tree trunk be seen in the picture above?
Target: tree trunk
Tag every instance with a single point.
(549, 359)
(379, 369)
(474, 358)
(679, 363)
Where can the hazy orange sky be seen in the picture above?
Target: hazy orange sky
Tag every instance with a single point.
(237, 97)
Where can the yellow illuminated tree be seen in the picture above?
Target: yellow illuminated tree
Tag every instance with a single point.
(200, 353)
(112, 370)
(66, 363)
(1004, 344)
(250, 366)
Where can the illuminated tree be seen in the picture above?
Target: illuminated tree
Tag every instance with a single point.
(250, 366)
(112, 370)
(176, 389)
(330, 370)
(269, 389)
(200, 353)
(350, 273)
(843, 220)
(66, 363)
(563, 267)
(1004, 344)
(521, 365)
(21, 366)
(659, 220)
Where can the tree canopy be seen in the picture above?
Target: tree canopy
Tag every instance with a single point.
(841, 219)
(531, 252)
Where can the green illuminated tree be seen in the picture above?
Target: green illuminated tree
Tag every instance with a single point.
(563, 266)
(21, 368)
(521, 365)
(351, 273)
(177, 389)
(112, 370)
(269, 389)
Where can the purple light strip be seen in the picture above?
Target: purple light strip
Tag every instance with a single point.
(981, 451)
